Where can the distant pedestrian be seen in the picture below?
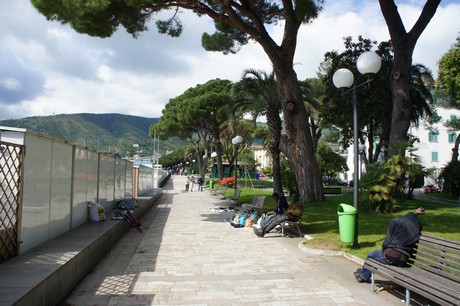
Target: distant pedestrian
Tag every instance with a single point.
(192, 183)
(200, 183)
(187, 183)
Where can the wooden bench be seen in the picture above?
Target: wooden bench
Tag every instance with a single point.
(221, 193)
(433, 274)
(256, 204)
(258, 185)
(234, 198)
(332, 190)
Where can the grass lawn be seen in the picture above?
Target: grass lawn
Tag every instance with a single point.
(320, 220)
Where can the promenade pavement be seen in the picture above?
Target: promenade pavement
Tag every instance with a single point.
(188, 255)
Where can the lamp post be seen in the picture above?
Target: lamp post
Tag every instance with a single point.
(367, 63)
(236, 142)
(213, 156)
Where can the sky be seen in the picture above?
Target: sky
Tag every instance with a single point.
(47, 68)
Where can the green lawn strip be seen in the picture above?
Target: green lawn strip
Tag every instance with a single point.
(320, 220)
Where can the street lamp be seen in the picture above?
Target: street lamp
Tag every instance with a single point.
(193, 166)
(213, 156)
(236, 142)
(367, 63)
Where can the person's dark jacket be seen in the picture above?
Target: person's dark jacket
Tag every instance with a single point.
(403, 234)
(282, 205)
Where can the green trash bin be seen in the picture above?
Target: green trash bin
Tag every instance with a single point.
(211, 184)
(346, 215)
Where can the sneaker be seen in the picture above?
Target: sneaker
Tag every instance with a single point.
(258, 232)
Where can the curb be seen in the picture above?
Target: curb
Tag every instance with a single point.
(320, 252)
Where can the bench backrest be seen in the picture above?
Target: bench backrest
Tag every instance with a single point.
(438, 255)
(258, 200)
(236, 194)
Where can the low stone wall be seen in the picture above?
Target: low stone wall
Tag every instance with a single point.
(46, 274)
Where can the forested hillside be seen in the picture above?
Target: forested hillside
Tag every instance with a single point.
(104, 132)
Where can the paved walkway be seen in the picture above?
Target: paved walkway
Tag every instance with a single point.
(187, 255)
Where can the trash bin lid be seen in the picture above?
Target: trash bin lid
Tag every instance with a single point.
(345, 208)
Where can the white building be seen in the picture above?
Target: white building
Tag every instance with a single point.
(262, 156)
(435, 147)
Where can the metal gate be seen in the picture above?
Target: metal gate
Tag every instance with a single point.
(11, 168)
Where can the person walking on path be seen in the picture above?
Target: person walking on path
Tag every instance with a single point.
(200, 183)
(187, 183)
(402, 235)
(192, 182)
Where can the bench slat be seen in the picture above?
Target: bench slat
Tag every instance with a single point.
(454, 245)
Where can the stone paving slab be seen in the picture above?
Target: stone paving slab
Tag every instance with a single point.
(188, 255)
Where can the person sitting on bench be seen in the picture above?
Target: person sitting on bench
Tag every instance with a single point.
(292, 213)
(402, 235)
(282, 205)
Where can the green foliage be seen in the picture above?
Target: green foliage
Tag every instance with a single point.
(449, 74)
(330, 162)
(451, 175)
(288, 177)
(375, 104)
(99, 18)
(226, 39)
(203, 107)
(103, 17)
(383, 183)
(171, 27)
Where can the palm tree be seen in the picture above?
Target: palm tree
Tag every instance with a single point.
(261, 98)
(420, 87)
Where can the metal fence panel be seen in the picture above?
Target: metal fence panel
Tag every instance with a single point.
(37, 196)
(61, 188)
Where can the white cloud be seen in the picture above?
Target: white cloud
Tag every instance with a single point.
(11, 83)
(53, 69)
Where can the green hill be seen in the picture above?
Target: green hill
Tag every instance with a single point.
(102, 132)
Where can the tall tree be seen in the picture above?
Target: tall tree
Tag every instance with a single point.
(403, 46)
(236, 22)
(199, 110)
(449, 88)
(263, 98)
(375, 106)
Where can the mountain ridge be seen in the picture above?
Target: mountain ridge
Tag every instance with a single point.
(111, 132)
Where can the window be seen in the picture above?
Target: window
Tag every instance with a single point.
(433, 137)
(434, 156)
(452, 137)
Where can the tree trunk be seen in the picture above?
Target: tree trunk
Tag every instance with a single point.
(403, 46)
(400, 121)
(298, 143)
(274, 128)
(455, 149)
